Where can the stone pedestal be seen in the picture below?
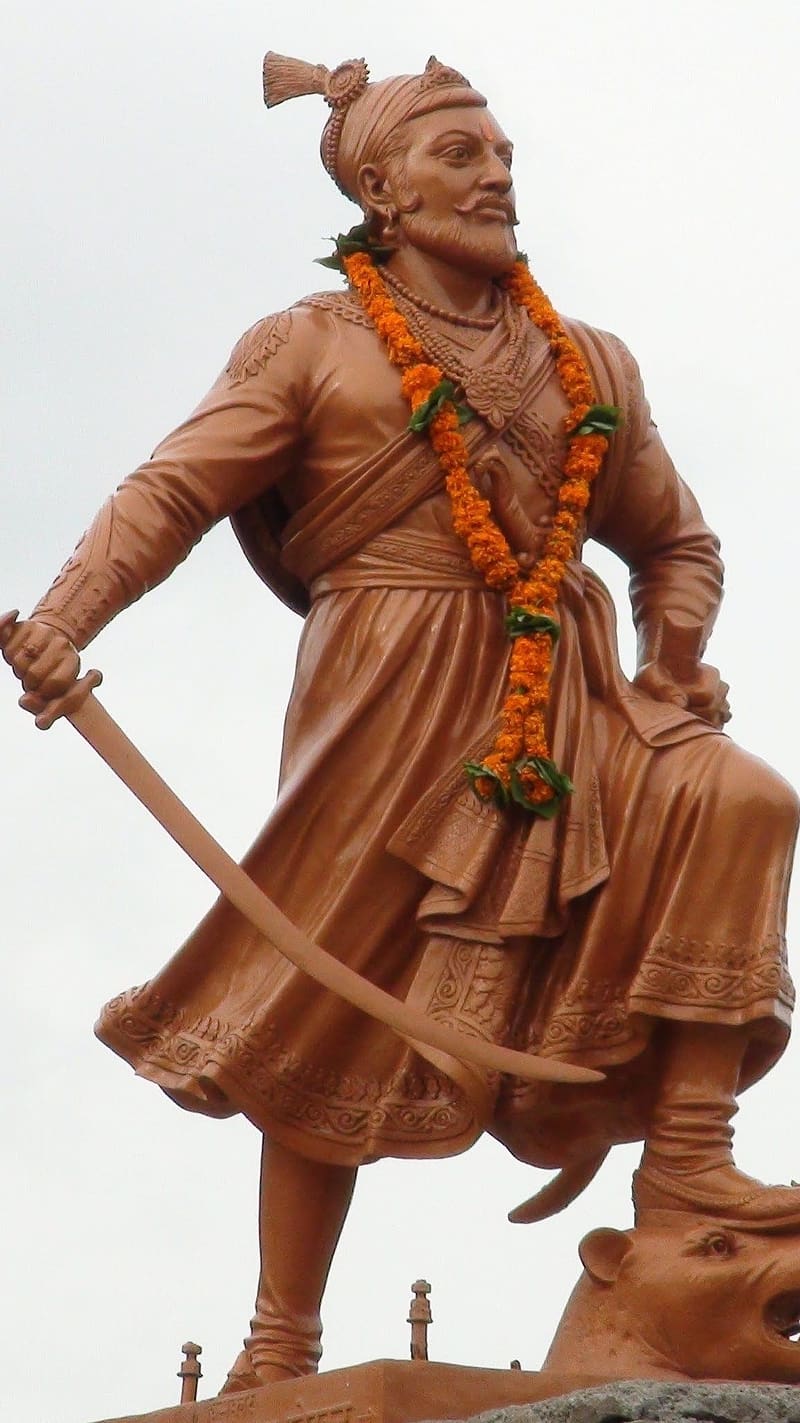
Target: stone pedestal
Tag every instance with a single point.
(390, 1391)
(385, 1391)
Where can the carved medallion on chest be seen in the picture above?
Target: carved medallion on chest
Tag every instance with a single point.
(533, 441)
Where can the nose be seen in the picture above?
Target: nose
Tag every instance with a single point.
(496, 177)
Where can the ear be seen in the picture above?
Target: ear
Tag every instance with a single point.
(373, 188)
(602, 1253)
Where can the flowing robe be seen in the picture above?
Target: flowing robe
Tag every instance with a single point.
(657, 893)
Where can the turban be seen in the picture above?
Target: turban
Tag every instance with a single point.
(364, 116)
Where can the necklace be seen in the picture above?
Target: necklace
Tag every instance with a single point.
(493, 390)
(478, 323)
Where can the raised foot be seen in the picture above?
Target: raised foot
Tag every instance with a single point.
(721, 1192)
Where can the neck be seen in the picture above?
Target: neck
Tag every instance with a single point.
(599, 1338)
(445, 285)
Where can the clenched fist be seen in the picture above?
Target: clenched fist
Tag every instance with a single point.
(43, 659)
(705, 694)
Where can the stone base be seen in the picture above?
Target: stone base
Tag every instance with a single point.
(390, 1391)
(646, 1400)
(385, 1391)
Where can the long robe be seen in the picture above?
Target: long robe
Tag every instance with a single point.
(658, 893)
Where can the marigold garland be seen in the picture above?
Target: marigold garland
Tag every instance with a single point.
(519, 766)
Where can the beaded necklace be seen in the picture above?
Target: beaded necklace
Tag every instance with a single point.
(478, 323)
(492, 390)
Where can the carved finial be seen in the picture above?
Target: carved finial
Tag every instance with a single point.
(190, 1372)
(437, 74)
(419, 1317)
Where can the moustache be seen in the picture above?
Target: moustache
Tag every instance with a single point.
(497, 204)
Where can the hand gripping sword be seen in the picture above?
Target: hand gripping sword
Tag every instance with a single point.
(95, 725)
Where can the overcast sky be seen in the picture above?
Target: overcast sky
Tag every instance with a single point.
(152, 210)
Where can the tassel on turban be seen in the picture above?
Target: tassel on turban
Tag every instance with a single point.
(364, 116)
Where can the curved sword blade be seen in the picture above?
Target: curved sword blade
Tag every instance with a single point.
(102, 733)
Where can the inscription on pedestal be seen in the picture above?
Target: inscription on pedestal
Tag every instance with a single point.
(232, 1410)
(240, 1410)
(334, 1413)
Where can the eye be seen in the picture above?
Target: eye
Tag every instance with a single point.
(457, 153)
(718, 1242)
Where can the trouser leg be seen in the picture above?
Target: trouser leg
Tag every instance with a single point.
(303, 1207)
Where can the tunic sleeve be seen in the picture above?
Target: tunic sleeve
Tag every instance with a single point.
(650, 518)
(240, 440)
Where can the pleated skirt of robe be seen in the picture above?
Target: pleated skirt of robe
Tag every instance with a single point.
(658, 893)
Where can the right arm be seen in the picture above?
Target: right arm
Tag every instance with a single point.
(240, 440)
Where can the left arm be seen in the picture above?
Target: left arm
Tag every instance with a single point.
(653, 522)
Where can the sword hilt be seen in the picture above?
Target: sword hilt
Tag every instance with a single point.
(72, 700)
(69, 702)
(681, 646)
(7, 624)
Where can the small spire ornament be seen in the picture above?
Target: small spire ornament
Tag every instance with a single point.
(190, 1371)
(419, 1317)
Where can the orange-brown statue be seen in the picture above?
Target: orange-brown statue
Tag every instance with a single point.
(605, 883)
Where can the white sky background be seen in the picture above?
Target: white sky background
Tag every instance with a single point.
(152, 211)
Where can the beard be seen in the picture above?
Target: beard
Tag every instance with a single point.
(478, 244)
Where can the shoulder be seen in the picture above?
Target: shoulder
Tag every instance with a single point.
(258, 345)
(340, 305)
(613, 366)
(299, 330)
(596, 340)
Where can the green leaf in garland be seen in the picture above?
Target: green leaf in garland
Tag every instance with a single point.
(599, 420)
(519, 623)
(547, 771)
(477, 771)
(442, 393)
(358, 239)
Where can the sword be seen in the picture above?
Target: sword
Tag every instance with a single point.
(90, 718)
(681, 646)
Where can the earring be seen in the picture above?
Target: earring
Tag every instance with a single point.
(391, 226)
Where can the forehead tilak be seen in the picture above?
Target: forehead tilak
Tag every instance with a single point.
(490, 130)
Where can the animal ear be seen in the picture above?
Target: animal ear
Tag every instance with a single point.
(602, 1253)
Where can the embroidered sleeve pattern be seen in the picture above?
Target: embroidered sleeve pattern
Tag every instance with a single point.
(252, 352)
(343, 304)
(85, 592)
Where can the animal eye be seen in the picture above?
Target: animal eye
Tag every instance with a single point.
(719, 1242)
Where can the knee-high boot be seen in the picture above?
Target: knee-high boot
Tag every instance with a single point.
(302, 1210)
(688, 1162)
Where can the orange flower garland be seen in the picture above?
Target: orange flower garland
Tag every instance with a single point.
(519, 765)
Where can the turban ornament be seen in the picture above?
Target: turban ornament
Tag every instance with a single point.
(364, 115)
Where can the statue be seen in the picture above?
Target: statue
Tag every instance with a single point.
(478, 812)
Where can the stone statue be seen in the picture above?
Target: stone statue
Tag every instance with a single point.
(568, 863)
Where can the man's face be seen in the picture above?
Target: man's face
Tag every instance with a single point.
(452, 182)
